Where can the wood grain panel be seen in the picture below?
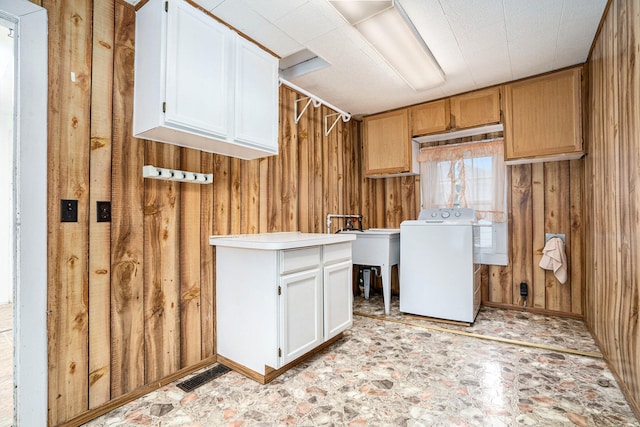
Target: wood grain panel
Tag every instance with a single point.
(521, 231)
(67, 270)
(250, 197)
(207, 278)
(189, 256)
(539, 275)
(100, 190)
(236, 195)
(288, 158)
(127, 259)
(558, 296)
(612, 206)
(162, 277)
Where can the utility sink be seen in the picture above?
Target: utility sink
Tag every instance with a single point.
(378, 247)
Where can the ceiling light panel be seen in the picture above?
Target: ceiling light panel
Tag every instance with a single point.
(385, 25)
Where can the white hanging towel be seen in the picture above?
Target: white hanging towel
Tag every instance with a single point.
(554, 258)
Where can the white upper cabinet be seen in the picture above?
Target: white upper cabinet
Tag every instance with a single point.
(200, 85)
(256, 93)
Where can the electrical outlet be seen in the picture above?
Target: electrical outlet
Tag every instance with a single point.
(103, 211)
(524, 289)
(68, 210)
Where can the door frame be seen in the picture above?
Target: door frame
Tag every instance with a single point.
(30, 202)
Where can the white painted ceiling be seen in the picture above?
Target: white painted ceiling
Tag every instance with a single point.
(478, 43)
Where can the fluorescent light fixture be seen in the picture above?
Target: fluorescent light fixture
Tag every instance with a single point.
(386, 26)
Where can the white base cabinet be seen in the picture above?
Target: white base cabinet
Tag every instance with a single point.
(274, 307)
(200, 85)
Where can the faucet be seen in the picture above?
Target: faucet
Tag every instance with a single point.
(349, 219)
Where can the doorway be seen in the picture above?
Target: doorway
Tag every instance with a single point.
(8, 66)
(28, 215)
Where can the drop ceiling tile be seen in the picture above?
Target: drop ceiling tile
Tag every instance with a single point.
(309, 21)
(237, 14)
(466, 16)
(273, 10)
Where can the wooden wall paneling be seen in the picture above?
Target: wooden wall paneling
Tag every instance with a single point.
(250, 197)
(289, 166)
(235, 167)
(630, 109)
(189, 256)
(339, 132)
(558, 296)
(207, 279)
(611, 177)
(576, 262)
(352, 164)
(500, 285)
(305, 160)
(222, 195)
(263, 226)
(539, 290)
(162, 273)
(611, 200)
(318, 148)
(127, 226)
(330, 175)
(521, 231)
(68, 172)
(100, 190)
(393, 202)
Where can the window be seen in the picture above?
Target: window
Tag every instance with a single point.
(470, 175)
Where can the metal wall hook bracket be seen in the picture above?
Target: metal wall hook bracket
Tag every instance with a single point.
(317, 102)
(308, 102)
(326, 123)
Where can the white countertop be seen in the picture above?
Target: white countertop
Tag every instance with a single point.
(275, 241)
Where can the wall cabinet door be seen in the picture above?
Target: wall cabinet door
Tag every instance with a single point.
(256, 92)
(478, 108)
(543, 118)
(338, 298)
(301, 319)
(432, 117)
(387, 144)
(197, 96)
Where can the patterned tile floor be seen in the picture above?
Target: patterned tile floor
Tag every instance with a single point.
(388, 373)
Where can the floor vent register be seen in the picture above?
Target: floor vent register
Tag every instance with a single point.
(203, 378)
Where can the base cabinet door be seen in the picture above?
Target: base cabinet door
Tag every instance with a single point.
(301, 314)
(338, 298)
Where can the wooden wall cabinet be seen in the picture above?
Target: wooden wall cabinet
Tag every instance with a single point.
(200, 85)
(388, 148)
(478, 108)
(432, 117)
(543, 118)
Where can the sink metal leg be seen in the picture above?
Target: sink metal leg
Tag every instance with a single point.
(386, 287)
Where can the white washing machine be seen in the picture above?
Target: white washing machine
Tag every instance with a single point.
(438, 274)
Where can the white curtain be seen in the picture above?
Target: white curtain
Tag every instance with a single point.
(466, 175)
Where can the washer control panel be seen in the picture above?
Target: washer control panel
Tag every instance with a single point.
(450, 215)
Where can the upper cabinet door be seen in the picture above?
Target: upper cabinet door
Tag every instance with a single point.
(478, 108)
(387, 143)
(256, 92)
(543, 118)
(197, 96)
(431, 117)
